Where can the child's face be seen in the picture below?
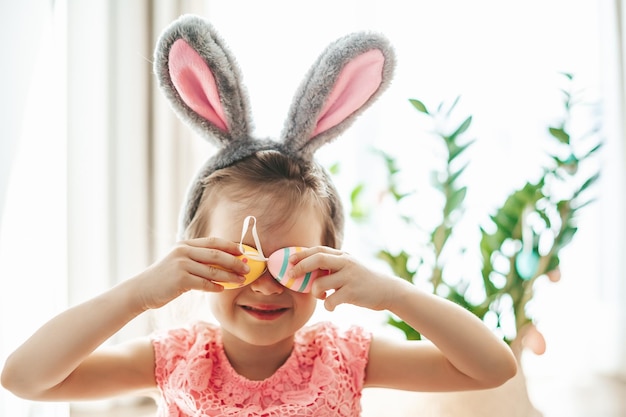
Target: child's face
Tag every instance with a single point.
(264, 312)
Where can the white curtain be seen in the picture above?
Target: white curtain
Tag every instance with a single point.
(32, 279)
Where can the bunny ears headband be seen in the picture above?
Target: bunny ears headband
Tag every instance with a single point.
(201, 80)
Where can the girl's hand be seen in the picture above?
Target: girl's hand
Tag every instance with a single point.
(350, 281)
(196, 264)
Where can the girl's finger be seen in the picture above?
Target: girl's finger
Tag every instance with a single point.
(331, 302)
(341, 295)
(215, 273)
(318, 260)
(202, 284)
(306, 252)
(212, 242)
(328, 289)
(208, 278)
(325, 287)
(219, 259)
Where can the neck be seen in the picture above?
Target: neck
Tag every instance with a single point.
(255, 362)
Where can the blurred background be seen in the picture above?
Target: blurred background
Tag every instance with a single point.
(94, 164)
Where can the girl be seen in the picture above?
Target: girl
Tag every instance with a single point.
(264, 358)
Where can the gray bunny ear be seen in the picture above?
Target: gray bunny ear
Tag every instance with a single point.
(202, 81)
(346, 79)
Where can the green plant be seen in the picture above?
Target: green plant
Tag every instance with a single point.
(519, 243)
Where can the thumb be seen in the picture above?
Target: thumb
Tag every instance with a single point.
(331, 302)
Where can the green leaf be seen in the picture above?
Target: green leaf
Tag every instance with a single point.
(593, 150)
(358, 210)
(419, 105)
(489, 243)
(515, 204)
(455, 175)
(454, 150)
(397, 195)
(559, 161)
(436, 182)
(357, 191)
(506, 222)
(461, 129)
(335, 168)
(560, 134)
(390, 162)
(581, 205)
(454, 103)
(588, 183)
(565, 237)
(439, 237)
(454, 201)
(398, 264)
(553, 263)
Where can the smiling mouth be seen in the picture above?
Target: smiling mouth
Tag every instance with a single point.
(264, 313)
(265, 309)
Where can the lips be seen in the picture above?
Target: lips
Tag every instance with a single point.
(264, 312)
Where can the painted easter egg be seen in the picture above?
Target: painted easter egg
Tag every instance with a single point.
(279, 266)
(255, 262)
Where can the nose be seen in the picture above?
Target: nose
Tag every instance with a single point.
(266, 285)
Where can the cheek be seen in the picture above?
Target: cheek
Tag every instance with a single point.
(306, 303)
(221, 303)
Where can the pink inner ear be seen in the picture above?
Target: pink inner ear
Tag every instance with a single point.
(195, 83)
(358, 80)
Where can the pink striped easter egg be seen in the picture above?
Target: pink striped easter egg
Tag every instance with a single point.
(279, 266)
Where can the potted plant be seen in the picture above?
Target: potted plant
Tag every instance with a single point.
(520, 242)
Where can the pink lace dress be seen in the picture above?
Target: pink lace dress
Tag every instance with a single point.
(323, 376)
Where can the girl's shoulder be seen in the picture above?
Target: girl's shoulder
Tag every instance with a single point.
(184, 342)
(327, 336)
(327, 329)
(187, 335)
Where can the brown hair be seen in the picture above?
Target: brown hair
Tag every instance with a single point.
(279, 183)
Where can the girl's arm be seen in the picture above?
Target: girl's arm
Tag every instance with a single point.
(461, 352)
(56, 362)
(60, 360)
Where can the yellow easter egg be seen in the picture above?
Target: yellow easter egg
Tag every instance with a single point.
(255, 262)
